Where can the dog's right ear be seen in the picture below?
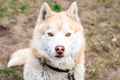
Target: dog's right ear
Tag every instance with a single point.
(45, 12)
(73, 11)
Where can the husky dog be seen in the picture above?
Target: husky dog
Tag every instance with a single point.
(56, 51)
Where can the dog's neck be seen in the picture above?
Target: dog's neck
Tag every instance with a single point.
(70, 72)
(54, 68)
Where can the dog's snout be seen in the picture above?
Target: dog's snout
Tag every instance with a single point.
(60, 49)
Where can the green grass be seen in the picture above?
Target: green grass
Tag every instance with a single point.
(71, 1)
(2, 10)
(6, 71)
(8, 74)
(104, 47)
(23, 8)
(91, 33)
(13, 1)
(93, 74)
(57, 7)
(106, 3)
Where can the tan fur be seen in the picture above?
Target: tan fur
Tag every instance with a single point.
(58, 16)
(79, 54)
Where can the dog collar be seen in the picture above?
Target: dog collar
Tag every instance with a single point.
(56, 69)
(70, 72)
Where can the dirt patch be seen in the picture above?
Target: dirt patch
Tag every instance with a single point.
(114, 74)
(3, 30)
(14, 37)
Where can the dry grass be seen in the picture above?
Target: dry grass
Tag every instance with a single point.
(100, 18)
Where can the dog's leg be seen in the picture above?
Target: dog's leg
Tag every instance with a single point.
(80, 69)
(19, 57)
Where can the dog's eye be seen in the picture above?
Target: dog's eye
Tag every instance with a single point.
(68, 35)
(50, 34)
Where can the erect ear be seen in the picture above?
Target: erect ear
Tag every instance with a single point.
(45, 12)
(73, 11)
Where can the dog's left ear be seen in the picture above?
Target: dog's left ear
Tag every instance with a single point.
(73, 11)
(45, 12)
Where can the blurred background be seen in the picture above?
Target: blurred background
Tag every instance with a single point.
(101, 21)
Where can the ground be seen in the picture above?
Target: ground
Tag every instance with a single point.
(101, 21)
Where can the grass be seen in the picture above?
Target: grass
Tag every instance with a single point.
(23, 8)
(7, 71)
(94, 73)
(57, 7)
(8, 8)
(8, 74)
(2, 10)
(91, 33)
(102, 53)
(106, 3)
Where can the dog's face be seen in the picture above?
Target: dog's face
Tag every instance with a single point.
(58, 35)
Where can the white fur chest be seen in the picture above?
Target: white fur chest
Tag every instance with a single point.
(33, 70)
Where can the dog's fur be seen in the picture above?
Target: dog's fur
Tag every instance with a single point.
(53, 29)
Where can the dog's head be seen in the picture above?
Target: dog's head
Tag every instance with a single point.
(58, 35)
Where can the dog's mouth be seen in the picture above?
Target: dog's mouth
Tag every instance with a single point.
(59, 56)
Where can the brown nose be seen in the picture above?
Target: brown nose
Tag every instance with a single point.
(59, 49)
